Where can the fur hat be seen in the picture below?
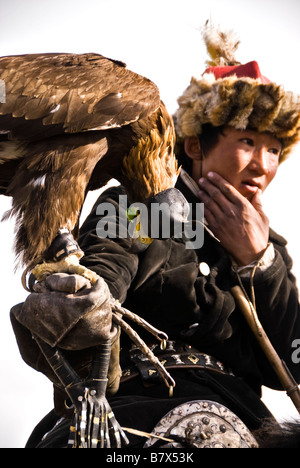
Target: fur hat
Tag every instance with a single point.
(229, 93)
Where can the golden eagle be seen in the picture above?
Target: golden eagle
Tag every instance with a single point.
(69, 124)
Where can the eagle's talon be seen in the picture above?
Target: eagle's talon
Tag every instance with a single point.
(69, 264)
(85, 272)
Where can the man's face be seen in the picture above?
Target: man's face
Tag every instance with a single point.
(246, 159)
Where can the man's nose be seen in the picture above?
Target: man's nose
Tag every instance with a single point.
(260, 161)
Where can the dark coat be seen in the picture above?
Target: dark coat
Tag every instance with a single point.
(164, 285)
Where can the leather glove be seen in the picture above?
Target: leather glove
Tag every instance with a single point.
(66, 311)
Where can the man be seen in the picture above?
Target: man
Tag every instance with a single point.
(234, 128)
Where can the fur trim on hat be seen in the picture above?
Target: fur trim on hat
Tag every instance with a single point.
(239, 102)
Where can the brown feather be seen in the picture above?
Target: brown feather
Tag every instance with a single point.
(77, 121)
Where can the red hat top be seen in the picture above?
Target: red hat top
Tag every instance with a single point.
(221, 47)
(249, 70)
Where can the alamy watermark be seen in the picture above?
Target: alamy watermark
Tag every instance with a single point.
(2, 92)
(296, 353)
(156, 221)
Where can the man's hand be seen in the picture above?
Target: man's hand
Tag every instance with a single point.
(67, 311)
(239, 224)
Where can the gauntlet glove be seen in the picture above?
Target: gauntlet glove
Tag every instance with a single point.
(66, 311)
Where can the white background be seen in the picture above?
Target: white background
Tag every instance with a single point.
(159, 39)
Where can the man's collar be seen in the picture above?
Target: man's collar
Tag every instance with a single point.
(190, 184)
(190, 190)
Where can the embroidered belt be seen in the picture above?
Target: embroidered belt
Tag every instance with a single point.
(171, 358)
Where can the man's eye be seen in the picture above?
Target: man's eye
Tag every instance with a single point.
(248, 141)
(275, 151)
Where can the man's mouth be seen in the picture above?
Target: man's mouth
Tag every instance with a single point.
(252, 183)
(249, 187)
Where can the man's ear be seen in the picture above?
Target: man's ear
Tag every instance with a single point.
(192, 147)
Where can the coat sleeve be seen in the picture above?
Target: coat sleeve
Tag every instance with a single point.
(277, 304)
(106, 244)
(222, 330)
(111, 259)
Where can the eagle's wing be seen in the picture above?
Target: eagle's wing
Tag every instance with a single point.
(48, 94)
(69, 124)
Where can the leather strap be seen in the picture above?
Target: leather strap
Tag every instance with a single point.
(171, 359)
